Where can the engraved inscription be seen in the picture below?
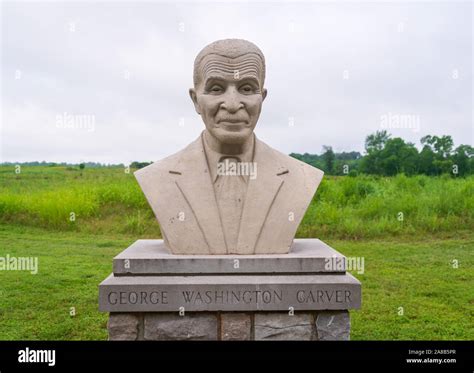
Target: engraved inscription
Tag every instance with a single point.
(137, 297)
(230, 297)
(323, 296)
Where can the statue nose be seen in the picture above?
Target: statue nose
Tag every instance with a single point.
(232, 102)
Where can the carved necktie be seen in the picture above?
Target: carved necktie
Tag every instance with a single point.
(230, 192)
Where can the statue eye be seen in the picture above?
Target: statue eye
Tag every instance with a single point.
(247, 88)
(216, 88)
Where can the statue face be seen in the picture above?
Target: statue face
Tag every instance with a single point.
(229, 96)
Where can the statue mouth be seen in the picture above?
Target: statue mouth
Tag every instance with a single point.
(234, 125)
(232, 121)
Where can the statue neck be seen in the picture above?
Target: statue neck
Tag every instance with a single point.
(228, 149)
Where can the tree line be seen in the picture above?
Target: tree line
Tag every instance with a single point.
(389, 156)
(384, 156)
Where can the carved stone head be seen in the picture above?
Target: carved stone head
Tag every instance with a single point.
(229, 90)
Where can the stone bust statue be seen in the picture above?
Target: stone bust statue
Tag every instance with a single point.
(228, 192)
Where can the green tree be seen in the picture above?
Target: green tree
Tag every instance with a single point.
(398, 156)
(374, 145)
(81, 167)
(426, 161)
(138, 165)
(328, 158)
(376, 141)
(463, 159)
(442, 148)
(387, 156)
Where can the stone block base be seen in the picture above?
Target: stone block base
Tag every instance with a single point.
(304, 295)
(230, 326)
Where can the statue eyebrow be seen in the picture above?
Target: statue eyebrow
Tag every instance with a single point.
(220, 79)
(214, 78)
(249, 79)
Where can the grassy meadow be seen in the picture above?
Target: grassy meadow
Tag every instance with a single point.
(109, 200)
(410, 231)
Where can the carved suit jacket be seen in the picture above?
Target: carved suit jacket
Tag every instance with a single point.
(181, 194)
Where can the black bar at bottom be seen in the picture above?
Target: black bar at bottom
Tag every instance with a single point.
(406, 355)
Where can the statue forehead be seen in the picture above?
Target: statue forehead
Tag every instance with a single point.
(227, 56)
(246, 65)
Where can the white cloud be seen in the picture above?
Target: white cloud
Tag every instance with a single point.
(130, 66)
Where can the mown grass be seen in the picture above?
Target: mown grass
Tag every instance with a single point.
(108, 200)
(437, 299)
(70, 267)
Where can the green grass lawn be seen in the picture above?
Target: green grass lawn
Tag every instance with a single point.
(71, 265)
(416, 274)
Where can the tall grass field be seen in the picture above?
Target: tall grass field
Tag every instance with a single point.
(109, 200)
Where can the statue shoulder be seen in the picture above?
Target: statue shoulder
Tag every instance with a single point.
(299, 171)
(169, 164)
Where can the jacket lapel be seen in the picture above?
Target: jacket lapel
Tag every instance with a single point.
(195, 184)
(261, 193)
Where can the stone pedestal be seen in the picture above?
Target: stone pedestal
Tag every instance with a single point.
(303, 295)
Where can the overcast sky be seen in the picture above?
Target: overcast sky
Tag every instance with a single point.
(108, 82)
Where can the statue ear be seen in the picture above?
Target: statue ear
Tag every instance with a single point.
(192, 94)
(264, 93)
